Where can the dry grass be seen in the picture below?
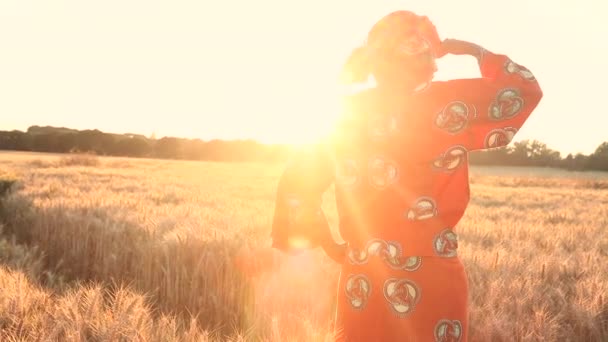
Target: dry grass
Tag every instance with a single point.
(29, 312)
(7, 183)
(84, 160)
(535, 250)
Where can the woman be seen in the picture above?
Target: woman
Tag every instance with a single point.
(399, 164)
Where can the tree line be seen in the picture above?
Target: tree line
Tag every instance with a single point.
(65, 140)
(536, 153)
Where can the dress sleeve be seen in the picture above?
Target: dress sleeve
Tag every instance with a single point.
(299, 222)
(487, 112)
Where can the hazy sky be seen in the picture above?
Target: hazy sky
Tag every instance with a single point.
(266, 69)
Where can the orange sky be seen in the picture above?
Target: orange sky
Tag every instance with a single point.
(266, 69)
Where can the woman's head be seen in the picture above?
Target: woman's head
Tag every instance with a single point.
(400, 51)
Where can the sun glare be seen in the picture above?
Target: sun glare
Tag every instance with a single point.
(317, 115)
(316, 118)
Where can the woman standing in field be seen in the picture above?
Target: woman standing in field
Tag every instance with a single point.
(399, 164)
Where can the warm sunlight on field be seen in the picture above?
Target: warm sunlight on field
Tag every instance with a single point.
(155, 250)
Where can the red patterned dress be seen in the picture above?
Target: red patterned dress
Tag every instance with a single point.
(400, 170)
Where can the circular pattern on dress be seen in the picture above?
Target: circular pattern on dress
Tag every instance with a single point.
(358, 289)
(404, 263)
(423, 209)
(448, 331)
(513, 68)
(445, 244)
(383, 127)
(500, 137)
(382, 173)
(508, 104)
(402, 295)
(454, 117)
(451, 159)
(390, 252)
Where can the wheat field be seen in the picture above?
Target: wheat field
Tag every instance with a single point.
(113, 249)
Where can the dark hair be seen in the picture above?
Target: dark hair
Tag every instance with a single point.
(359, 65)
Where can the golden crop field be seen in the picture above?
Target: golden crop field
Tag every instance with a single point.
(112, 249)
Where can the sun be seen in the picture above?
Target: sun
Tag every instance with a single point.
(311, 118)
(325, 112)
(314, 130)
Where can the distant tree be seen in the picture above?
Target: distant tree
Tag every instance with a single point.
(132, 147)
(495, 156)
(168, 147)
(15, 140)
(599, 159)
(193, 149)
(66, 142)
(24, 142)
(581, 162)
(568, 162)
(45, 142)
(49, 129)
(541, 155)
(520, 153)
(90, 141)
(107, 143)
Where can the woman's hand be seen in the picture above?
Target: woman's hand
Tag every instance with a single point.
(460, 47)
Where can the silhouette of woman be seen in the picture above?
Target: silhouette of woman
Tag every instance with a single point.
(399, 163)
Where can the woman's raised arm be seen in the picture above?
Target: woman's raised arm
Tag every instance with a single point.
(487, 112)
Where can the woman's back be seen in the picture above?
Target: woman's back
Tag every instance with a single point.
(401, 161)
(389, 177)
